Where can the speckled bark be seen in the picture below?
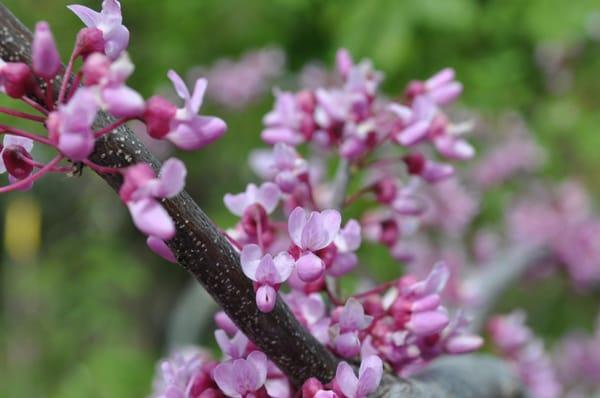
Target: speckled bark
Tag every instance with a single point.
(206, 254)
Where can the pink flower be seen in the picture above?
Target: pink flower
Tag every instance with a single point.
(267, 272)
(346, 242)
(369, 377)
(283, 165)
(109, 79)
(110, 22)
(140, 190)
(287, 122)
(352, 319)
(71, 125)
(311, 233)
(414, 121)
(45, 59)
(242, 378)
(235, 347)
(188, 130)
(266, 196)
(185, 374)
(441, 87)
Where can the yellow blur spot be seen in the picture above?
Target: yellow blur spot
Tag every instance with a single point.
(22, 229)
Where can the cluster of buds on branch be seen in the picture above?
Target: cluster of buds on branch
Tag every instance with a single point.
(72, 99)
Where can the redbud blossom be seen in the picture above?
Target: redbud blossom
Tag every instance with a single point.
(312, 232)
(369, 377)
(267, 272)
(188, 130)
(71, 125)
(109, 22)
(241, 377)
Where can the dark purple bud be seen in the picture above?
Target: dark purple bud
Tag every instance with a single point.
(389, 232)
(158, 115)
(414, 89)
(385, 190)
(415, 163)
(18, 79)
(254, 216)
(15, 159)
(311, 387)
(89, 41)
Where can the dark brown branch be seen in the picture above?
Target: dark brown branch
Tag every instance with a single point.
(207, 255)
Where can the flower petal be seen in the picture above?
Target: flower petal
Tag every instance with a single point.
(296, 223)
(152, 219)
(159, 247)
(179, 85)
(89, 17)
(172, 178)
(346, 380)
(250, 260)
(268, 196)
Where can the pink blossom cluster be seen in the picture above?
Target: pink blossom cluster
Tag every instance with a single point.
(236, 83)
(245, 372)
(354, 119)
(562, 220)
(100, 85)
(517, 343)
(577, 360)
(290, 229)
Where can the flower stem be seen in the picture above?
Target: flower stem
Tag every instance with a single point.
(34, 105)
(106, 130)
(102, 169)
(32, 177)
(65, 79)
(22, 115)
(21, 133)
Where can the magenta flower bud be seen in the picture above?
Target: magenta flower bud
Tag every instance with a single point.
(415, 163)
(254, 216)
(95, 68)
(414, 89)
(385, 190)
(311, 387)
(463, 343)
(427, 323)
(306, 101)
(265, 298)
(158, 115)
(17, 78)
(347, 345)
(310, 267)
(14, 160)
(389, 232)
(427, 303)
(89, 41)
(45, 59)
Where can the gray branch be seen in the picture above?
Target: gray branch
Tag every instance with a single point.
(494, 279)
(205, 253)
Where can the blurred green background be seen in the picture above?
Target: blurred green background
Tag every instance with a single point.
(86, 307)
